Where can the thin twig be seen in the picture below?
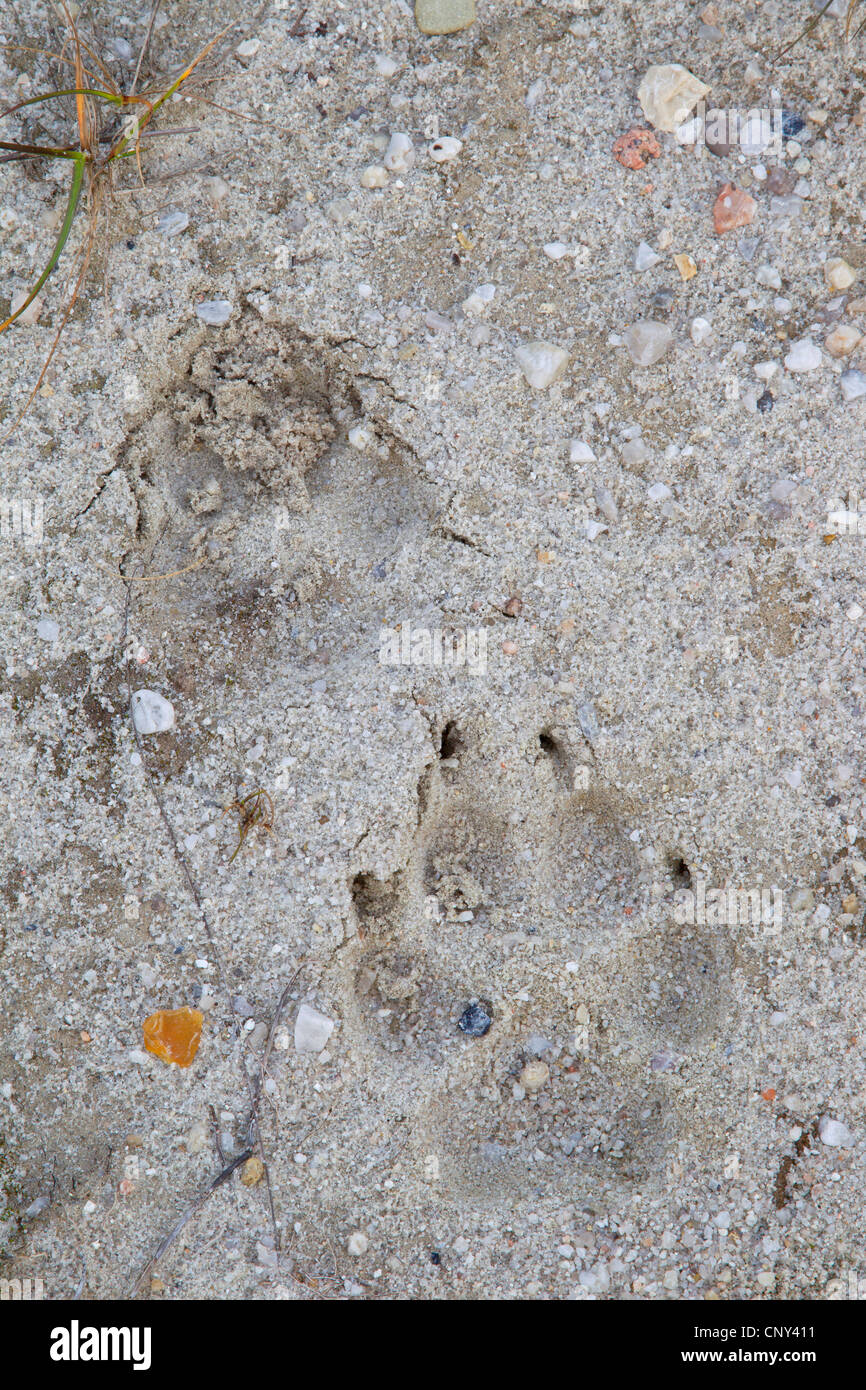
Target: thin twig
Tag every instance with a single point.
(187, 1216)
(266, 1056)
(170, 831)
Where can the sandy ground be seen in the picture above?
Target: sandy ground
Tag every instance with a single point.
(670, 704)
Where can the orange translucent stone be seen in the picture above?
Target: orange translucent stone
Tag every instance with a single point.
(173, 1035)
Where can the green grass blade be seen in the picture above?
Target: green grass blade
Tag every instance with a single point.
(48, 151)
(64, 92)
(62, 238)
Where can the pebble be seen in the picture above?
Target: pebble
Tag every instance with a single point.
(357, 1244)
(580, 452)
(756, 134)
(853, 384)
(733, 208)
(447, 147)
(843, 340)
(634, 148)
(645, 257)
(604, 500)
(360, 438)
(33, 310)
(665, 1060)
(686, 266)
(701, 331)
(534, 1076)
(374, 176)
(768, 275)
(834, 1133)
(766, 370)
(784, 208)
(151, 712)
(782, 489)
(474, 1021)
(658, 492)
(720, 134)
(248, 48)
(444, 16)
(647, 341)
(668, 94)
(535, 93)
(47, 629)
(172, 222)
(252, 1171)
(588, 722)
(780, 181)
(792, 124)
(555, 250)
(214, 312)
(386, 66)
(802, 900)
(542, 363)
(216, 189)
(838, 274)
(479, 299)
(400, 154)
(805, 356)
(312, 1030)
(634, 452)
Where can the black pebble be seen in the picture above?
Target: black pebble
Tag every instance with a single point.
(792, 124)
(765, 402)
(474, 1021)
(435, 1258)
(130, 246)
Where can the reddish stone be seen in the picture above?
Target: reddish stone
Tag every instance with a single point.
(635, 147)
(733, 208)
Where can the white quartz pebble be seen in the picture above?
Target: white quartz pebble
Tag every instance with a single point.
(214, 312)
(151, 712)
(648, 341)
(400, 154)
(542, 363)
(312, 1030)
(805, 356)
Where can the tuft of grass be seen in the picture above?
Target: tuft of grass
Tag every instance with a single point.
(111, 123)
